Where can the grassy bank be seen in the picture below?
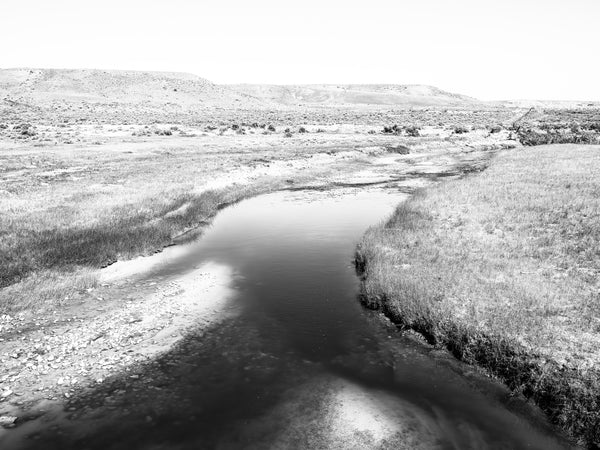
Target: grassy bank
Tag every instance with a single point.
(66, 212)
(51, 258)
(501, 268)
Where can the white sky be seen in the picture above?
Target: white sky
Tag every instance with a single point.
(500, 49)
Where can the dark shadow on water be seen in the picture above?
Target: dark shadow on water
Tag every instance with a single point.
(204, 391)
(191, 397)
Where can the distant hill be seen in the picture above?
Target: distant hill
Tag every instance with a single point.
(41, 86)
(182, 90)
(548, 104)
(354, 95)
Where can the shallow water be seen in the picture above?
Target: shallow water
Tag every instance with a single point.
(297, 290)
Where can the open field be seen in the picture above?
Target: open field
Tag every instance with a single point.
(502, 269)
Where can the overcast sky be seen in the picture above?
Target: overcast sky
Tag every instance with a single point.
(500, 49)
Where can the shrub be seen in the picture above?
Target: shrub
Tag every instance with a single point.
(302, 130)
(25, 129)
(412, 131)
(393, 129)
(529, 137)
(460, 130)
(271, 128)
(400, 149)
(594, 127)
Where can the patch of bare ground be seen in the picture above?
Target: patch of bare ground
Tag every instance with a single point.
(502, 269)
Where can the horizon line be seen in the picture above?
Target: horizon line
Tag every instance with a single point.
(303, 84)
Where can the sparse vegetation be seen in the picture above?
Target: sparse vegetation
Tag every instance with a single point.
(501, 269)
(558, 127)
(392, 129)
(530, 137)
(399, 149)
(460, 130)
(412, 131)
(25, 130)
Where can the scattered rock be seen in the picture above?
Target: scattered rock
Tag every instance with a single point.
(5, 394)
(8, 421)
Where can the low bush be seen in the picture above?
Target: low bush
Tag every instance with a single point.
(399, 149)
(412, 131)
(392, 129)
(530, 137)
(460, 130)
(25, 129)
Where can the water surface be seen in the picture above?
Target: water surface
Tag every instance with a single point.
(297, 291)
